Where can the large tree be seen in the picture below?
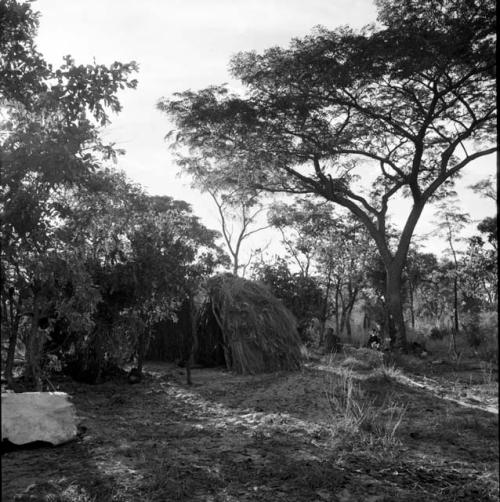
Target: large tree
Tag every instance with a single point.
(50, 146)
(407, 104)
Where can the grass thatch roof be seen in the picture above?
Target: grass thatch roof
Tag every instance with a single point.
(259, 333)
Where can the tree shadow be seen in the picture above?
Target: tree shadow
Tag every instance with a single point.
(162, 440)
(64, 473)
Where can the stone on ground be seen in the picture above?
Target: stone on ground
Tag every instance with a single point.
(38, 416)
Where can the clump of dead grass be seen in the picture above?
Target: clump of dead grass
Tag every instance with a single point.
(389, 372)
(353, 413)
(362, 359)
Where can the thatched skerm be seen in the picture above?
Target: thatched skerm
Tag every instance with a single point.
(259, 334)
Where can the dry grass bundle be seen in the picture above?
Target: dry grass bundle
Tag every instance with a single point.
(258, 331)
(362, 359)
(353, 412)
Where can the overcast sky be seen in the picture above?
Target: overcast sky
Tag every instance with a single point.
(187, 44)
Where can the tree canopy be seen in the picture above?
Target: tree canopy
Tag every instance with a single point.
(408, 102)
(85, 253)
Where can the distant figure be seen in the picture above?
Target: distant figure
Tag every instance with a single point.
(375, 340)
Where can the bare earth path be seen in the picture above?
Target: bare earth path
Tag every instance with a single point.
(258, 438)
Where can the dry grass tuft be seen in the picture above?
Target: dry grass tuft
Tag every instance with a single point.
(362, 359)
(354, 413)
(390, 372)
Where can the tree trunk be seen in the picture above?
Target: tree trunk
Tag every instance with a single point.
(348, 321)
(337, 292)
(140, 352)
(322, 328)
(455, 303)
(347, 307)
(11, 352)
(34, 349)
(324, 314)
(412, 309)
(353, 293)
(236, 265)
(144, 338)
(193, 317)
(343, 321)
(394, 265)
(14, 329)
(396, 325)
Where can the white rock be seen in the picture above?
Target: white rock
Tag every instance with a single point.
(38, 416)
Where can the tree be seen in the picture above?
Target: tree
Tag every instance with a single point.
(333, 246)
(418, 274)
(485, 188)
(451, 222)
(411, 101)
(479, 278)
(479, 270)
(298, 228)
(303, 231)
(22, 66)
(489, 224)
(238, 215)
(145, 255)
(50, 146)
(171, 253)
(238, 209)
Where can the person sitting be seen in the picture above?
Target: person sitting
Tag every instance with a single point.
(375, 341)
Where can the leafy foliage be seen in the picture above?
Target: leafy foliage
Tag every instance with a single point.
(302, 295)
(412, 99)
(89, 262)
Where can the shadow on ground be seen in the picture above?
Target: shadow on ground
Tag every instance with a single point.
(255, 438)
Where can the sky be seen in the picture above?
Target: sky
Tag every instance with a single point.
(187, 44)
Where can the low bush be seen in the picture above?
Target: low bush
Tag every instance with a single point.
(438, 333)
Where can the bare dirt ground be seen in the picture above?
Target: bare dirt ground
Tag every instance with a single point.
(268, 438)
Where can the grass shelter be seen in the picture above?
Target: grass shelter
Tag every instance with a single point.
(256, 332)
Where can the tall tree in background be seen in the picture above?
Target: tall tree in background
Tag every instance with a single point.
(239, 211)
(451, 222)
(334, 247)
(418, 272)
(408, 103)
(239, 220)
(298, 225)
(486, 188)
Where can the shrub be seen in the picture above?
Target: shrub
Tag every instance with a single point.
(488, 329)
(438, 333)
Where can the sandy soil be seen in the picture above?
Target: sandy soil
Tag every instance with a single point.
(267, 438)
